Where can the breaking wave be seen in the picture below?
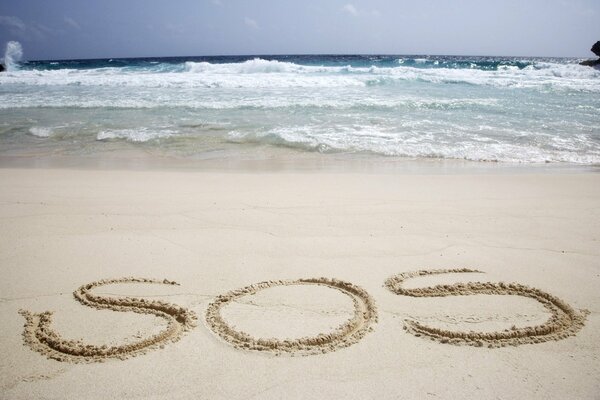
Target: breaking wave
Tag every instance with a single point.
(261, 73)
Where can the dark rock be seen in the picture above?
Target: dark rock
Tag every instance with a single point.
(593, 63)
(596, 48)
(590, 63)
(2, 68)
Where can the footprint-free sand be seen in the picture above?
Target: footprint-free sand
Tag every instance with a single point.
(299, 284)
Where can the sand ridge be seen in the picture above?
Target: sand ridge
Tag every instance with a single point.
(39, 335)
(564, 320)
(348, 333)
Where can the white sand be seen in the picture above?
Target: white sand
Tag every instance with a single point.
(217, 232)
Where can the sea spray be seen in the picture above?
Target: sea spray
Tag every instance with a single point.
(12, 55)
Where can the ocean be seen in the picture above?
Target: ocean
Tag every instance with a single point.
(504, 109)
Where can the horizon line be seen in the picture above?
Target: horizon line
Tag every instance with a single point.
(258, 55)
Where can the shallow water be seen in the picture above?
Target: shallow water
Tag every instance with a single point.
(515, 110)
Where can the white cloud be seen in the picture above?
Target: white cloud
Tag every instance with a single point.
(72, 23)
(376, 13)
(350, 9)
(41, 32)
(251, 23)
(12, 23)
(30, 31)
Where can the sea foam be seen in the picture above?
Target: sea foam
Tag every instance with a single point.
(134, 135)
(40, 131)
(259, 73)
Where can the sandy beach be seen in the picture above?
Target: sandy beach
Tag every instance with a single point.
(302, 232)
(236, 200)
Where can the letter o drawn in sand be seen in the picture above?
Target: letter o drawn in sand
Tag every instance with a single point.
(350, 332)
(39, 335)
(564, 320)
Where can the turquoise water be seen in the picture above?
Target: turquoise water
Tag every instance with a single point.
(514, 110)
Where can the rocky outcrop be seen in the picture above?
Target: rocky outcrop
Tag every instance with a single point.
(2, 69)
(590, 63)
(596, 50)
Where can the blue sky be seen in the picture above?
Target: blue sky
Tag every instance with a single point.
(61, 29)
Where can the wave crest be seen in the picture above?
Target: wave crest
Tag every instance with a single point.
(282, 74)
(255, 66)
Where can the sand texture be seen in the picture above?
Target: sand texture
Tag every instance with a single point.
(248, 250)
(40, 336)
(564, 320)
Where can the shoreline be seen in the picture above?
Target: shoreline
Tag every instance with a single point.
(290, 162)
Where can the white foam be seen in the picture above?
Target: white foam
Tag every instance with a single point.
(146, 79)
(40, 131)
(421, 142)
(134, 135)
(260, 73)
(254, 66)
(193, 100)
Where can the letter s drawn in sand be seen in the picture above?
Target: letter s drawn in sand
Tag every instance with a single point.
(564, 320)
(40, 336)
